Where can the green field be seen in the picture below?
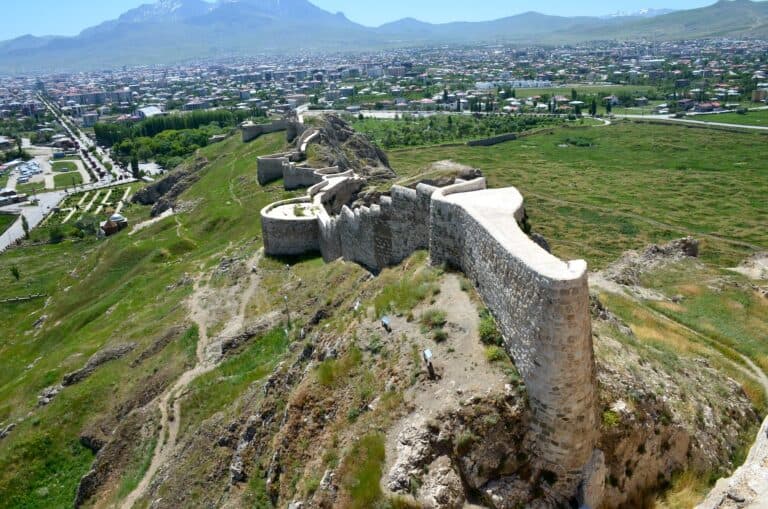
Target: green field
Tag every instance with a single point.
(599, 191)
(30, 187)
(758, 118)
(64, 166)
(68, 179)
(3, 180)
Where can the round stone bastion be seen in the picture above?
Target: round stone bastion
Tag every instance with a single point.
(290, 227)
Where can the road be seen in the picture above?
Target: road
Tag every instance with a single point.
(34, 214)
(689, 121)
(86, 143)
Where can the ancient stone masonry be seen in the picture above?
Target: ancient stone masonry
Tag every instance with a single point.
(542, 306)
(541, 303)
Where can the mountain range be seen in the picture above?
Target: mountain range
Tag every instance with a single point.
(175, 30)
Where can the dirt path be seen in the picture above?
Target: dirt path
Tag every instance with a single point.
(208, 355)
(460, 361)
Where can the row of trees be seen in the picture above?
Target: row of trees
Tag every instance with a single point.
(410, 131)
(109, 134)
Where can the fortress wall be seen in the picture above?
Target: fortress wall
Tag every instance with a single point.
(270, 168)
(494, 140)
(253, 131)
(409, 221)
(364, 236)
(289, 236)
(297, 177)
(542, 307)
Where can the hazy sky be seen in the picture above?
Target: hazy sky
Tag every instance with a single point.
(68, 17)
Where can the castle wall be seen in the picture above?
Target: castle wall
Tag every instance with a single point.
(270, 168)
(494, 140)
(542, 307)
(253, 131)
(289, 236)
(298, 177)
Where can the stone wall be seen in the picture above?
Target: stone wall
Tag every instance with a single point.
(541, 303)
(542, 307)
(289, 236)
(270, 168)
(494, 140)
(298, 177)
(252, 131)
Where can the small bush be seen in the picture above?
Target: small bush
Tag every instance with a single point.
(434, 319)
(439, 336)
(495, 354)
(464, 441)
(611, 419)
(361, 473)
(489, 332)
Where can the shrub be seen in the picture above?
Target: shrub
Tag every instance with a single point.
(433, 319)
(440, 336)
(464, 441)
(489, 332)
(611, 419)
(494, 354)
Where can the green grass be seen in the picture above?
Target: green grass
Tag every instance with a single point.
(756, 118)
(64, 166)
(403, 295)
(102, 292)
(216, 390)
(6, 220)
(30, 187)
(68, 180)
(362, 470)
(634, 185)
(3, 180)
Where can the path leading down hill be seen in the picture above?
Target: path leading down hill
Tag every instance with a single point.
(208, 354)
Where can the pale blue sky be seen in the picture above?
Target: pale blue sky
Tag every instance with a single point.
(69, 17)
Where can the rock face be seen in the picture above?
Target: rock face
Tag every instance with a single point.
(99, 358)
(627, 270)
(748, 486)
(163, 194)
(340, 145)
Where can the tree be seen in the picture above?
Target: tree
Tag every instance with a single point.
(135, 166)
(608, 107)
(593, 107)
(25, 226)
(56, 235)
(574, 94)
(15, 273)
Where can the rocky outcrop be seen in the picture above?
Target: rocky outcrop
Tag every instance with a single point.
(339, 145)
(162, 195)
(99, 358)
(748, 486)
(628, 269)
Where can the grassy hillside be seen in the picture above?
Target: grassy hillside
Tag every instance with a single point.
(102, 293)
(593, 192)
